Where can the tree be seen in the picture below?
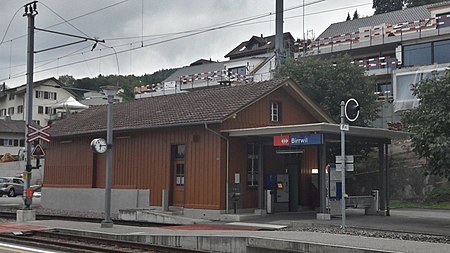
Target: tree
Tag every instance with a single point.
(413, 3)
(428, 124)
(330, 81)
(348, 17)
(383, 6)
(355, 15)
(67, 80)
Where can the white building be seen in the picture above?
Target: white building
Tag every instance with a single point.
(400, 48)
(46, 94)
(12, 136)
(251, 60)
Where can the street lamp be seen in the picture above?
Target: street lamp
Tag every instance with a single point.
(109, 91)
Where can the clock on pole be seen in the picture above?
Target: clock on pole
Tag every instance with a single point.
(99, 145)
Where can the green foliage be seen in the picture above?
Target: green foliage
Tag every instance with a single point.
(439, 194)
(426, 205)
(355, 15)
(429, 124)
(330, 81)
(383, 6)
(348, 17)
(413, 3)
(127, 83)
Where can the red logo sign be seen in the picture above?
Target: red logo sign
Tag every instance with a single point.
(282, 140)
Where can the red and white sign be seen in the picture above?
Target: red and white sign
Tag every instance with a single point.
(38, 152)
(38, 134)
(281, 140)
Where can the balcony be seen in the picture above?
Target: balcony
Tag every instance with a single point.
(381, 35)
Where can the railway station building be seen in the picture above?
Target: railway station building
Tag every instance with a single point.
(210, 151)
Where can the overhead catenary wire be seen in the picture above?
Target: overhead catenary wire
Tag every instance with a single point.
(190, 33)
(71, 19)
(65, 21)
(9, 25)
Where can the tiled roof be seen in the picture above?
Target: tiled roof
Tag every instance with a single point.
(196, 69)
(394, 17)
(22, 88)
(265, 45)
(12, 126)
(195, 107)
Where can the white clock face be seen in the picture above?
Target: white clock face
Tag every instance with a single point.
(99, 145)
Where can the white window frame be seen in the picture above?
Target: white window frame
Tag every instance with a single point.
(275, 111)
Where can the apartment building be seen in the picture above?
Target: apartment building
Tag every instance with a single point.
(400, 48)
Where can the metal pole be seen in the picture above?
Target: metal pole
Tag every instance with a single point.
(30, 12)
(107, 223)
(343, 165)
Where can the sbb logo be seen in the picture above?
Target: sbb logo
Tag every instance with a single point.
(281, 140)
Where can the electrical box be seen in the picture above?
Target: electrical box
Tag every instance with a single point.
(282, 188)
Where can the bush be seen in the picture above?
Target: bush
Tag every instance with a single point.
(439, 194)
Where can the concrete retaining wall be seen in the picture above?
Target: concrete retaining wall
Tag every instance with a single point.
(82, 199)
(12, 169)
(229, 244)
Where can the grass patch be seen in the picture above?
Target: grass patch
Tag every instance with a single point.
(438, 198)
(412, 204)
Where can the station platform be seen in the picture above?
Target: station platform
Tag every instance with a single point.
(251, 236)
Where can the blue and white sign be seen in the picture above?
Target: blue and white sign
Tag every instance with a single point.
(306, 139)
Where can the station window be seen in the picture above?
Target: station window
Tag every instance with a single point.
(252, 164)
(275, 112)
(40, 109)
(20, 109)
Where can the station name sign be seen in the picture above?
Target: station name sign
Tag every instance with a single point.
(297, 140)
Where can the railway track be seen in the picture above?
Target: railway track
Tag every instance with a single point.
(54, 240)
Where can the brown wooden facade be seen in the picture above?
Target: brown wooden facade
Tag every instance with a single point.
(143, 160)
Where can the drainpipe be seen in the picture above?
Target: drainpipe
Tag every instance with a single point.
(227, 166)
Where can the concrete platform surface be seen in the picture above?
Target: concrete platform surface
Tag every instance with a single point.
(240, 240)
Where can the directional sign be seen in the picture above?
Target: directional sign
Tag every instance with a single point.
(38, 151)
(348, 159)
(348, 167)
(38, 134)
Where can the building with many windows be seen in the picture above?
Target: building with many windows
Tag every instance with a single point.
(400, 48)
(47, 94)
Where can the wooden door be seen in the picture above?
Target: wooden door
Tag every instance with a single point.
(178, 183)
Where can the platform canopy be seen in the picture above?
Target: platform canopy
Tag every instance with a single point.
(378, 134)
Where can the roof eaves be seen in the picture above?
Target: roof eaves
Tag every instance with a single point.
(128, 129)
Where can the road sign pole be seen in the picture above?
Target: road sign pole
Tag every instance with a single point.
(343, 165)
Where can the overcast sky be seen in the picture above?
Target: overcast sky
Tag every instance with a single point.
(164, 28)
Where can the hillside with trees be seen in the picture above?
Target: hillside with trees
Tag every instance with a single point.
(127, 83)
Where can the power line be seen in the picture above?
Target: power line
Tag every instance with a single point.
(229, 24)
(65, 21)
(74, 18)
(9, 24)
